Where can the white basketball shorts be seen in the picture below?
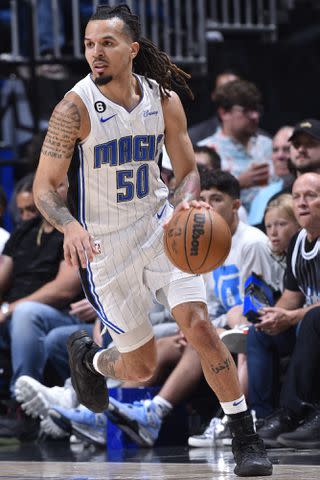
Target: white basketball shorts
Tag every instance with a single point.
(131, 269)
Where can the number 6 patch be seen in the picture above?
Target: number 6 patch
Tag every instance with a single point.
(100, 106)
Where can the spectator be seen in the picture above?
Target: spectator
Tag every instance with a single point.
(32, 394)
(282, 177)
(22, 206)
(280, 225)
(305, 147)
(207, 157)
(243, 151)
(208, 127)
(276, 333)
(300, 393)
(36, 287)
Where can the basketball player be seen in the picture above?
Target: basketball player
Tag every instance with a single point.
(118, 120)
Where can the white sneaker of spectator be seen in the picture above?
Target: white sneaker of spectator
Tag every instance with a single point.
(236, 338)
(36, 399)
(49, 429)
(216, 434)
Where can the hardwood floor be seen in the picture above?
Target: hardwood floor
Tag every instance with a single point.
(60, 461)
(141, 471)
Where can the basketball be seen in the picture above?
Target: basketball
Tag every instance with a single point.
(197, 240)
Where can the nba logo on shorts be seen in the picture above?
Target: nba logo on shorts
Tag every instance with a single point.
(97, 244)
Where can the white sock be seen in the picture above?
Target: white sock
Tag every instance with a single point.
(95, 361)
(236, 406)
(163, 407)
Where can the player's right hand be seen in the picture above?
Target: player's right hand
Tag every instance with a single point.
(185, 205)
(78, 245)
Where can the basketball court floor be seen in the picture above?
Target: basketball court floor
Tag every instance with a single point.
(62, 461)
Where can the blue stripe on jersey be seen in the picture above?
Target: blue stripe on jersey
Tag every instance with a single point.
(94, 296)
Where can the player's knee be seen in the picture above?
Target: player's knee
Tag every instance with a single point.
(200, 332)
(196, 319)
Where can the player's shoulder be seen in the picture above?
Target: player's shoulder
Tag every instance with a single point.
(77, 93)
(171, 105)
(72, 112)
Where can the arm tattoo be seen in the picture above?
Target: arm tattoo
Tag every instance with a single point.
(63, 132)
(107, 362)
(188, 189)
(54, 209)
(225, 364)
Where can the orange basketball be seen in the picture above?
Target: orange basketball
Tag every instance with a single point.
(197, 240)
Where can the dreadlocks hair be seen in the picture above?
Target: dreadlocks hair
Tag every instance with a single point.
(150, 61)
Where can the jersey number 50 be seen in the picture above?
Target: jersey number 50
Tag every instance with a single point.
(139, 186)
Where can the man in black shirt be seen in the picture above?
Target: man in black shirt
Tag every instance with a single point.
(36, 289)
(296, 313)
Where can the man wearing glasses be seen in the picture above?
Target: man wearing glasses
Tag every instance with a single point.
(244, 152)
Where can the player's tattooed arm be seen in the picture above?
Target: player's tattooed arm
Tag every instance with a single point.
(56, 154)
(188, 189)
(54, 209)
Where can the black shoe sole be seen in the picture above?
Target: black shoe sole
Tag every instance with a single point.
(129, 427)
(96, 400)
(254, 470)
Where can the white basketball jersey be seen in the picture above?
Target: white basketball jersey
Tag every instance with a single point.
(115, 179)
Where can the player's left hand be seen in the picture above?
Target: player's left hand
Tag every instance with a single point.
(184, 205)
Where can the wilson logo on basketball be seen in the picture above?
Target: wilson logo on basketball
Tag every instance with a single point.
(197, 231)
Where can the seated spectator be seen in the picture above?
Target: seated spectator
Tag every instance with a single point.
(36, 398)
(298, 420)
(305, 150)
(275, 336)
(22, 206)
(243, 151)
(4, 235)
(209, 126)
(282, 177)
(207, 157)
(36, 287)
(280, 226)
(249, 251)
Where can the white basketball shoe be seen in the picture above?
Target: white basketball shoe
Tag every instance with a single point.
(36, 399)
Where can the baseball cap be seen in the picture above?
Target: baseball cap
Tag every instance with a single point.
(309, 126)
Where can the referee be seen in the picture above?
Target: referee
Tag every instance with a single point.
(277, 332)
